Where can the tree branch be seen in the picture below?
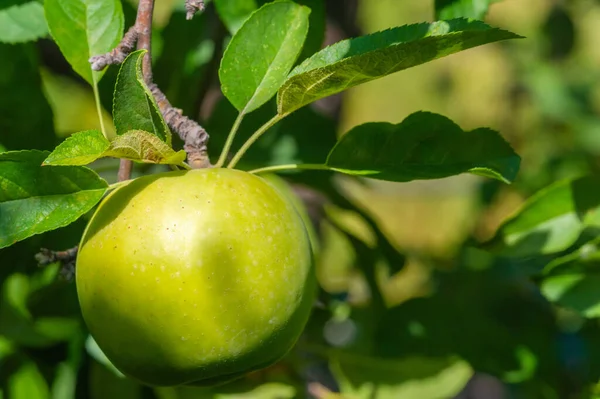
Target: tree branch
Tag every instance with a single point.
(192, 7)
(194, 136)
(143, 29)
(143, 24)
(66, 258)
(118, 55)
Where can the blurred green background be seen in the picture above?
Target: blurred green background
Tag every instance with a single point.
(453, 321)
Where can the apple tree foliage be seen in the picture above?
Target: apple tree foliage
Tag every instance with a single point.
(494, 314)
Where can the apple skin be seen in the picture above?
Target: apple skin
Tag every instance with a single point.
(195, 277)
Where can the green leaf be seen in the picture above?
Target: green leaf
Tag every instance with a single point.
(79, 149)
(85, 28)
(239, 389)
(577, 291)
(253, 68)
(36, 198)
(551, 220)
(145, 147)
(423, 146)
(448, 9)
(234, 13)
(584, 258)
(134, 106)
(28, 383)
(23, 23)
(354, 61)
(95, 352)
(85, 147)
(366, 377)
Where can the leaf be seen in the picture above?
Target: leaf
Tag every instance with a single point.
(234, 13)
(409, 377)
(354, 61)
(28, 383)
(254, 67)
(85, 28)
(239, 389)
(448, 9)
(25, 115)
(85, 147)
(35, 198)
(22, 23)
(79, 149)
(577, 291)
(551, 220)
(95, 352)
(134, 106)
(142, 146)
(423, 146)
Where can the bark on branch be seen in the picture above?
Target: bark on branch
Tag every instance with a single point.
(192, 7)
(194, 136)
(66, 258)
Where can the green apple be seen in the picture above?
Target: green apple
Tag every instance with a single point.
(195, 277)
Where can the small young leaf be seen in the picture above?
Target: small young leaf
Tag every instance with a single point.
(354, 61)
(23, 23)
(423, 146)
(36, 198)
(141, 146)
(551, 220)
(79, 149)
(261, 54)
(84, 28)
(85, 147)
(134, 106)
(475, 9)
(234, 13)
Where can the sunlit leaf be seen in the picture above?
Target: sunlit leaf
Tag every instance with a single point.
(552, 219)
(22, 23)
(354, 61)
(253, 68)
(576, 290)
(411, 377)
(79, 149)
(85, 147)
(84, 28)
(142, 146)
(27, 383)
(36, 198)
